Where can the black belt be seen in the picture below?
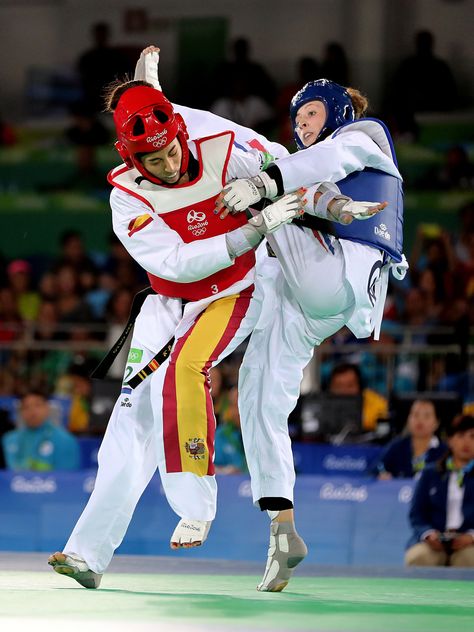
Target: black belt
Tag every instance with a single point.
(102, 368)
(154, 364)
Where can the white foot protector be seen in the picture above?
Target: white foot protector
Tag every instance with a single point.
(287, 549)
(75, 567)
(190, 533)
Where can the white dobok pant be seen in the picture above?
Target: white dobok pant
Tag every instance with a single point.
(306, 298)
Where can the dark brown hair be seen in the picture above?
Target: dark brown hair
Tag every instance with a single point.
(113, 91)
(461, 423)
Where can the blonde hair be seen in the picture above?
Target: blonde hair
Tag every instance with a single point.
(113, 91)
(359, 102)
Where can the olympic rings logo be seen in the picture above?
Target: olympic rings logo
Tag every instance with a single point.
(198, 232)
(160, 142)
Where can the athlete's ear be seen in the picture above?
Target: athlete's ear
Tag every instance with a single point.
(124, 155)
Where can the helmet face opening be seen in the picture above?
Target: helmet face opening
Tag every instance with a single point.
(146, 122)
(336, 99)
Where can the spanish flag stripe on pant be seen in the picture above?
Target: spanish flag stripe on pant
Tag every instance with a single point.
(238, 314)
(188, 415)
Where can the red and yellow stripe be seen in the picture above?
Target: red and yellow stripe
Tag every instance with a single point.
(188, 413)
(138, 223)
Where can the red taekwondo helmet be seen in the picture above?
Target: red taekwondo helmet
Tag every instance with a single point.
(146, 122)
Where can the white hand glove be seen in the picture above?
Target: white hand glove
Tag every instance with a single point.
(147, 66)
(282, 212)
(242, 193)
(344, 210)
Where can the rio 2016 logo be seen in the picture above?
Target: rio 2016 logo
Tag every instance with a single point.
(200, 227)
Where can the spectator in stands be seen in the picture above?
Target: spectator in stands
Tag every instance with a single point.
(118, 309)
(346, 379)
(73, 253)
(244, 107)
(8, 136)
(427, 80)
(457, 171)
(40, 445)
(334, 65)
(407, 456)
(72, 308)
(100, 65)
(86, 133)
(11, 324)
(432, 249)
(442, 510)
(229, 448)
(48, 362)
(248, 93)
(242, 65)
(463, 240)
(27, 299)
(464, 272)
(5, 426)
(119, 262)
(80, 391)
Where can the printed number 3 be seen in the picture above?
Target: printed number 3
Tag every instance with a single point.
(214, 289)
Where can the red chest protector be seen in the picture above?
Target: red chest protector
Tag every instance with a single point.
(188, 210)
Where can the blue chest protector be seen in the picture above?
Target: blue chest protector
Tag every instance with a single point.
(385, 230)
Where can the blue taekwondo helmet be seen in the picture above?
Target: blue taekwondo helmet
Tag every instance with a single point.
(339, 108)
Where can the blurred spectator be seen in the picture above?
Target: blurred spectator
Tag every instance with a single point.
(73, 253)
(86, 133)
(118, 310)
(432, 248)
(424, 82)
(76, 384)
(19, 278)
(229, 448)
(464, 273)
(244, 107)
(334, 65)
(457, 171)
(248, 93)
(346, 379)
(258, 81)
(7, 134)
(100, 65)
(5, 426)
(406, 456)
(40, 445)
(463, 240)
(442, 509)
(71, 306)
(11, 324)
(49, 363)
(118, 263)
